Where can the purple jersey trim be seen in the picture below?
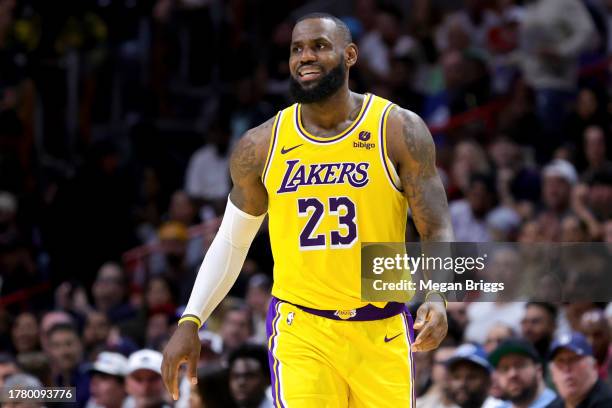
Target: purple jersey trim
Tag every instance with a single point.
(271, 320)
(356, 123)
(383, 139)
(363, 314)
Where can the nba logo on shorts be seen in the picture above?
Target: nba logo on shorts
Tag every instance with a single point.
(290, 318)
(364, 135)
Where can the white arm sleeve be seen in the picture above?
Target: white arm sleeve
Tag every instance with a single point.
(223, 261)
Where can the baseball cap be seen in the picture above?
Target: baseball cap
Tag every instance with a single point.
(472, 353)
(561, 168)
(573, 341)
(110, 363)
(514, 346)
(145, 359)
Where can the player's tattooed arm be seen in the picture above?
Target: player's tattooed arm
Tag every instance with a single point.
(412, 149)
(246, 166)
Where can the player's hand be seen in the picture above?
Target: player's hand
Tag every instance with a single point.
(432, 326)
(183, 347)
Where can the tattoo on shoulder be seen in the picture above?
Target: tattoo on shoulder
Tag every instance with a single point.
(417, 139)
(250, 153)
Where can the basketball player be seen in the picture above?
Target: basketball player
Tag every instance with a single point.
(334, 170)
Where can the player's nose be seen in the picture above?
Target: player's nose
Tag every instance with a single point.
(307, 55)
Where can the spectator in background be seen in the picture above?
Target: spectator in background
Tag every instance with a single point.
(25, 333)
(143, 382)
(553, 35)
(594, 326)
(470, 378)
(174, 240)
(559, 176)
(497, 335)
(182, 210)
(519, 371)
(469, 215)
(590, 110)
(258, 298)
(595, 152)
(437, 394)
(109, 293)
(574, 373)
(476, 19)
(469, 158)
(538, 325)
(50, 319)
(573, 229)
(95, 333)
(65, 353)
(379, 45)
(212, 390)
(8, 367)
(107, 386)
(249, 376)
(207, 178)
(22, 381)
(236, 327)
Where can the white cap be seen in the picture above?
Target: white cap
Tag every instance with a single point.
(561, 168)
(111, 363)
(145, 360)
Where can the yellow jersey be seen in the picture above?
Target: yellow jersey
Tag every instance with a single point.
(327, 195)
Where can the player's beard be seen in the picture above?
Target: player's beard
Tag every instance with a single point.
(325, 87)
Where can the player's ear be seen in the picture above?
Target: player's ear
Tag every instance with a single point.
(350, 54)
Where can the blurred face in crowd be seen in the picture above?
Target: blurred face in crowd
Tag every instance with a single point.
(146, 387)
(556, 193)
(600, 197)
(236, 328)
(468, 385)
(594, 145)
(586, 104)
(505, 153)
(458, 312)
(181, 208)
(158, 293)
(480, 198)
(157, 328)
(96, 329)
(319, 60)
(519, 378)
(497, 334)
(6, 370)
(257, 298)
(248, 382)
(453, 65)
(537, 324)
(25, 333)
(65, 350)
(389, 27)
(49, 320)
(573, 375)
(594, 326)
(439, 372)
(108, 289)
(107, 390)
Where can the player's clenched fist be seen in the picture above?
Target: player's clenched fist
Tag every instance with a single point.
(432, 325)
(183, 347)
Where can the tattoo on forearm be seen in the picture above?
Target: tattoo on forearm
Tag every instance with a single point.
(421, 183)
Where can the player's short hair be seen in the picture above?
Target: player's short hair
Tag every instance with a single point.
(340, 25)
(252, 351)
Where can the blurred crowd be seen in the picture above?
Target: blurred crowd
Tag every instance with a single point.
(116, 121)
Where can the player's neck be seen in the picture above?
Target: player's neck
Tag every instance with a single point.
(333, 111)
